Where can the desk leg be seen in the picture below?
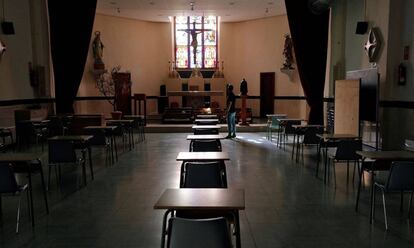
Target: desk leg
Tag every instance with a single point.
(371, 213)
(112, 149)
(237, 226)
(293, 145)
(325, 162)
(116, 149)
(90, 161)
(44, 187)
(361, 174)
(31, 197)
(84, 167)
(318, 158)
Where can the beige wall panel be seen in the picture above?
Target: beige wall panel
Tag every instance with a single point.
(347, 107)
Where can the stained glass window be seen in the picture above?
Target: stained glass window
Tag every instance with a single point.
(195, 41)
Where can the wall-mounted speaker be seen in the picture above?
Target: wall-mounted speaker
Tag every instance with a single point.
(362, 28)
(7, 28)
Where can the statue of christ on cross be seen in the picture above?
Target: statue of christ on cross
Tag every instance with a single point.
(194, 32)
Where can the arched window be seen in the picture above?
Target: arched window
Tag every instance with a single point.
(195, 41)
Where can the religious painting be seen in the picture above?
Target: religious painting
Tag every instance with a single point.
(195, 41)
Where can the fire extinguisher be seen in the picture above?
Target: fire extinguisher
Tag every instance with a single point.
(402, 74)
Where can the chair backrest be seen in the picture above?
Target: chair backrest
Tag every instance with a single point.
(202, 131)
(347, 148)
(288, 126)
(99, 138)
(8, 182)
(192, 233)
(401, 176)
(310, 137)
(205, 146)
(62, 151)
(275, 121)
(204, 175)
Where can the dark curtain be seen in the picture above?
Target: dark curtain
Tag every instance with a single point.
(71, 24)
(310, 40)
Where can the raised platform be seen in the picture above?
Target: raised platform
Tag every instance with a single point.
(187, 128)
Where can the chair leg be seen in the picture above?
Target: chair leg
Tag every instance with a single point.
(372, 217)
(347, 172)
(409, 205)
(48, 178)
(385, 210)
(18, 213)
(334, 172)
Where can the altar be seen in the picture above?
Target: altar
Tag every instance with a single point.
(195, 98)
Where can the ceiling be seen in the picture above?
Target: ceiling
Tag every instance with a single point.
(161, 10)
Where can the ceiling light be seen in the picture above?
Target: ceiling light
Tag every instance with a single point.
(192, 6)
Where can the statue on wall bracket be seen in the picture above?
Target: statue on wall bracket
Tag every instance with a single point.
(373, 45)
(97, 48)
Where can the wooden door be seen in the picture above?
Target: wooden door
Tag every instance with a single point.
(267, 93)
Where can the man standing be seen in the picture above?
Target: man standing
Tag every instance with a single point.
(231, 113)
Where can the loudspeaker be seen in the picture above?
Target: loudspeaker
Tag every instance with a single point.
(362, 27)
(163, 90)
(7, 28)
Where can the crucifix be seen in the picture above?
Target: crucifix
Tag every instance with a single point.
(194, 32)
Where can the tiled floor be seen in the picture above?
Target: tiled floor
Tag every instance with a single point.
(286, 205)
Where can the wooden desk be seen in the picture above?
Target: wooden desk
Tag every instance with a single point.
(206, 127)
(207, 116)
(27, 163)
(81, 142)
(276, 115)
(125, 125)
(202, 156)
(381, 161)
(227, 200)
(109, 132)
(206, 137)
(206, 121)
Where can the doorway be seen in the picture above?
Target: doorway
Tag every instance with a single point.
(267, 93)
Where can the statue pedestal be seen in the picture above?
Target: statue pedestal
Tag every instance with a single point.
(243, 111)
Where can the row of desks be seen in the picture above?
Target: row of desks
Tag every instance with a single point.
(203, 199)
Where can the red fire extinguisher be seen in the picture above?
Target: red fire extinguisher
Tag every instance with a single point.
(402, 74)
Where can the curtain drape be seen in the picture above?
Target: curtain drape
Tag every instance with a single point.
(310, 40)
(70, 24)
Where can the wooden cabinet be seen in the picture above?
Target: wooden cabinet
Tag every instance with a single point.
(123, 92)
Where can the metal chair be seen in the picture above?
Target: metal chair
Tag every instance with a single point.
(400, 180)
(203, 175)
(274, 125)
(8, 184)
(346, 152)
(192, 233)
(310, 138)
(63, 152)
(205, 146)
(101, 140)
